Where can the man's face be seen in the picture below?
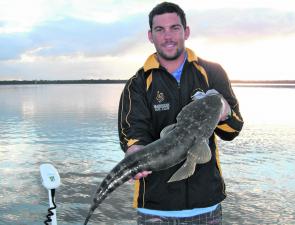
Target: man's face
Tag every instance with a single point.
(168, 35)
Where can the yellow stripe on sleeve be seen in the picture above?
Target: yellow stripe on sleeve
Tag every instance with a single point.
(236, 117)
(218, 161)
(202, 71)
(226, 128)
(136, 194)
(149, 81)
(217, 155)
(131, 142)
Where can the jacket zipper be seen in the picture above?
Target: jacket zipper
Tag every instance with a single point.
(180, 103)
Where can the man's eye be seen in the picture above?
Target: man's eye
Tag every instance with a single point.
(158, 29)
(176, 28)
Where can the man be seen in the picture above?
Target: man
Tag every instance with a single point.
(151, 100)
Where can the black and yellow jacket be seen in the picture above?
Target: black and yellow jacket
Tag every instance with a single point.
(149, 102)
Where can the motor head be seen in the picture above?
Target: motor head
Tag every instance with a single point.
(50, 176)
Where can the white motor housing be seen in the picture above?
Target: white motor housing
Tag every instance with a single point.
(50, 176)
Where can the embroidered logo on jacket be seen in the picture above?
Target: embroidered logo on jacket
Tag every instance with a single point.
(160, 97)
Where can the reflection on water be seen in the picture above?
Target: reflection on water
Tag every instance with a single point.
(272, 106)
(74, 127)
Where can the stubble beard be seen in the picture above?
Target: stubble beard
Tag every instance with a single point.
(167, 57)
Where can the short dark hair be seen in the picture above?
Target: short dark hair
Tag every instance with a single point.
(167, 7)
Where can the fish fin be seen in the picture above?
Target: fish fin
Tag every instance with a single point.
(199, 153)
(202, 153)
(167, 130)
(185, 171)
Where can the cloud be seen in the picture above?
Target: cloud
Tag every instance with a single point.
(78, 47)
(12, 45)
(241, 24)
(71, 67)
(71, 36)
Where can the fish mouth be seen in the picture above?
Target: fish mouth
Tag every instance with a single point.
(212, 92)
(201, 94)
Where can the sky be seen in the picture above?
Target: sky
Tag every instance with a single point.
(107, 39)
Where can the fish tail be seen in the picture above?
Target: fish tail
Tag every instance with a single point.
(123, 172)
(91, 210)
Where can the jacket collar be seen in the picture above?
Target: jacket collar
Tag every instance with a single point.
(153, 63)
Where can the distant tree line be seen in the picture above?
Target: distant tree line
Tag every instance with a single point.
(91, 81)
(264, 81)
(110, 81)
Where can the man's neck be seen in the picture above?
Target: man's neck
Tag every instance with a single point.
(172, 65)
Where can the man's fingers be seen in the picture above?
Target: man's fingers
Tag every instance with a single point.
(146, 173)
(141, 175)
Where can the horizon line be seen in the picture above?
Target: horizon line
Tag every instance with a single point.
(124, 80)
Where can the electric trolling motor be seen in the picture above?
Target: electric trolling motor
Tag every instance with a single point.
(50, 180)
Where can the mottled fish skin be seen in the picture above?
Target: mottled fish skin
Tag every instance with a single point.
(195, 122)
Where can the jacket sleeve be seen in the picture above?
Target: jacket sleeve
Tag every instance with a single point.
(231, 127)
(134, 117)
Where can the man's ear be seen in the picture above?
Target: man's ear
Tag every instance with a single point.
(186, 33)
(150, 36)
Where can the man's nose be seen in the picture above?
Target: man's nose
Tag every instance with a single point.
(167, 34)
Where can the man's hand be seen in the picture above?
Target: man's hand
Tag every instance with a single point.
(132, 149)
(226, 110)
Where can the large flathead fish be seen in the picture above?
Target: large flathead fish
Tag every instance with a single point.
(186, 140)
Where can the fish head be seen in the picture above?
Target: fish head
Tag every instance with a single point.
(203, 113)
(211, 104)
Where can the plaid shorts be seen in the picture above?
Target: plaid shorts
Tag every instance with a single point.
(212, 218)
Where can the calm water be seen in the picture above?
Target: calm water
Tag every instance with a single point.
(74, 127)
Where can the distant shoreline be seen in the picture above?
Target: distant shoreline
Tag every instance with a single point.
(264, 83)
(91, 81)
(236, 83)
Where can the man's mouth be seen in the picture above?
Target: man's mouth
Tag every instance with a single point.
(169, 45)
